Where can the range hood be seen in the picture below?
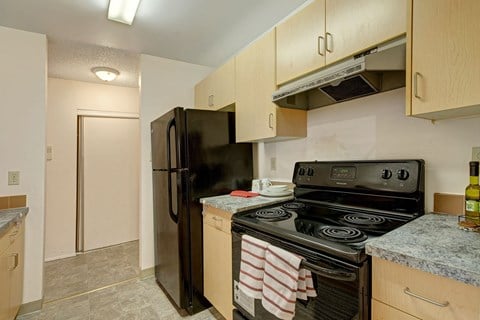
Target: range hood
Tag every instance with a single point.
(376, 70)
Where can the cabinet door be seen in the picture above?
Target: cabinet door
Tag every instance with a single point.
(217, 260)
(255, 82)
(16, 273)
(202, 92)
(223, 85)
(218, 89)
(4, 281)
(445, 58)
(301, 42)
(353, 26)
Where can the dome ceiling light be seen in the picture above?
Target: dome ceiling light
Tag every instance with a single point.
(105, 73)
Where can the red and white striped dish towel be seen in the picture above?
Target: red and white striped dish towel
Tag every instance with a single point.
(252, 266)
(284, 281)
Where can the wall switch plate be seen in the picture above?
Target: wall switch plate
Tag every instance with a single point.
(273, 164)
(13, 178)
(49, 153)
(476, 154)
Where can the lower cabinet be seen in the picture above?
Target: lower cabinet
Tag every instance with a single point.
(217, 259)
(400, 292)
(11, 271)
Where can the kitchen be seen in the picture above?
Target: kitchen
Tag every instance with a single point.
(369, 128)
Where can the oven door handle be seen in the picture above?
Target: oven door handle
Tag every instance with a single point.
(336, 274)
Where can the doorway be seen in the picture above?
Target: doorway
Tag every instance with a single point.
(108, 182)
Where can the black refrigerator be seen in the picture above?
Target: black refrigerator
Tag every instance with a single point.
(194, 155)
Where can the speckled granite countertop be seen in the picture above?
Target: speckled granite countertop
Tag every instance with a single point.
(239, 204)
(432, 243)
(9, 216)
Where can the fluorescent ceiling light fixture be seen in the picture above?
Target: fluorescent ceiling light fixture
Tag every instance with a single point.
(105, 73)
(123, 10)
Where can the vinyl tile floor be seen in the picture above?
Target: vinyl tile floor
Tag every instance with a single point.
(92, 270)
(93, 287)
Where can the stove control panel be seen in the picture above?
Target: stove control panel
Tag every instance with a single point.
(404, 176)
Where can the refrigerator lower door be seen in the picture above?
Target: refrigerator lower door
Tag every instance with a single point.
(167, 233)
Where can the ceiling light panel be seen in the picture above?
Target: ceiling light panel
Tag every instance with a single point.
(123, 10)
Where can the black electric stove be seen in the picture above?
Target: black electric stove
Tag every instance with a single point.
(339, 206)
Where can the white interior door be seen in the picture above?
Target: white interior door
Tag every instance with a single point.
(109, 170)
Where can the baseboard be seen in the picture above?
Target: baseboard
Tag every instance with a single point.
(30, 307)
(147, 273)
(61, 257)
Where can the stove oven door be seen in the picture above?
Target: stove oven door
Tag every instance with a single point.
(342, 288)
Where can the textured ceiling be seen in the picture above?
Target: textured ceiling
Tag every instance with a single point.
(205, 32)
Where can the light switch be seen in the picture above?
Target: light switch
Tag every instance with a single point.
(273, 164)
(49, 153)
(13, 178)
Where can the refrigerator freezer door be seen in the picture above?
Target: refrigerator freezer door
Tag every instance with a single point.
(169, 128)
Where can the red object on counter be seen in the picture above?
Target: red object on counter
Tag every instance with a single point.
(242, 193)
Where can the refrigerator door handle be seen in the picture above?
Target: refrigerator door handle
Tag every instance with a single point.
(173, 216)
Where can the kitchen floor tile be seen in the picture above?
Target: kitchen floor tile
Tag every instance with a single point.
(131, 300)
(104, 284)
(89, 271)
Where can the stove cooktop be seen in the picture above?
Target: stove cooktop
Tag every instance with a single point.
(341, 232)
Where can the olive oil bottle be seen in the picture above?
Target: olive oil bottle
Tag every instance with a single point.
(472, 195)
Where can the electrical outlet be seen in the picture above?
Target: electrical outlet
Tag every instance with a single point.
(13, 178)
(273, 164)
(476, 154)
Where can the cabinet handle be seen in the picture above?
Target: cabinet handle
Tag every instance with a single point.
(439, 304)
(415, 85)
(15, 265)
(329, 42)
(320, 41)
(270, 120)
(210, 100)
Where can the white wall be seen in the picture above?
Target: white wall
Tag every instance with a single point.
(376, 127)
(165, 84)
(65, 98)
(23, 71)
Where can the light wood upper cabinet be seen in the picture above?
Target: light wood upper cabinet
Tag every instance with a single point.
(257, 118)
(217, 259)
(327, 31)
(353, 26)
(444, 65)
(218, 89)
(420, 294)
(11, 271)
(301, 42)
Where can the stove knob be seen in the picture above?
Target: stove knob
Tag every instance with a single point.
(386, 174)
(310, 172)
(402, 174)
(301, 171)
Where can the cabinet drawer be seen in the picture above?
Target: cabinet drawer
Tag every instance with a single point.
(218, 222)
(422, 294)
(381, 311)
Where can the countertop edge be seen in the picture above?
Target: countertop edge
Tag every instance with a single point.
(239, 204)
(13, 215)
